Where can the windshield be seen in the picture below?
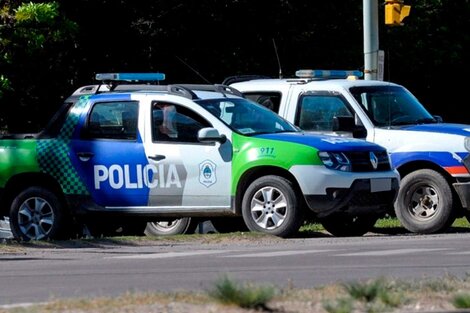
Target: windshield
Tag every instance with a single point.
(391, 105)
(247, 117)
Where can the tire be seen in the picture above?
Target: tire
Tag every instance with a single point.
(37, 214)
(348, 226)
(424, 202)
(229, 224)
(270, 206)
(171, 227)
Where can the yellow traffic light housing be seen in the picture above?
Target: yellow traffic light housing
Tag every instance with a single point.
(395, 12)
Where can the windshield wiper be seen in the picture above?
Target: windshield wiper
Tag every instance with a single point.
(428, 120)
(274, 132)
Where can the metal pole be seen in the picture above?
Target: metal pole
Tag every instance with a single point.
(371, 38)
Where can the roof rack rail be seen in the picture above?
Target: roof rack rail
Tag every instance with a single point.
(182, 90)
(227, 89)
(241, 78)
(223, 89)
(142, 82)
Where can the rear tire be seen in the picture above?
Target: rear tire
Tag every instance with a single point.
(38, 214)
(170, 227)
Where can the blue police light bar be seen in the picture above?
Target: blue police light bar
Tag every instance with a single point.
(327, 74)
(130, 76)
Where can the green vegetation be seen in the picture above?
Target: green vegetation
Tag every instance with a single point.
(371, 296)
(387, 225)
(377, 295)
(49, 48)
(462, 301)
(227, 291)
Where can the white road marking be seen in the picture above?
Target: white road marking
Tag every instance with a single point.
(272, 254)
(389, 252)
(168, 254)
(459, 253)
(269, 254)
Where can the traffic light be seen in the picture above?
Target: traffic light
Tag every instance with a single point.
(395, 12)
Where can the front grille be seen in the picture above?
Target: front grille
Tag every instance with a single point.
(361, 161)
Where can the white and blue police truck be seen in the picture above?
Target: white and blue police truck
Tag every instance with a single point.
(129, 151)
(432, 157)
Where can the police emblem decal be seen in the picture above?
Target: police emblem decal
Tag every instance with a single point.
(207, 174)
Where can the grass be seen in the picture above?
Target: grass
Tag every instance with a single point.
(227, 295)
(249, 296)
(378, 295)
(385, 225)
(461, 300)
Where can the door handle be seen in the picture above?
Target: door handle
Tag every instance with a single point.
(157, 157)
(85, 156)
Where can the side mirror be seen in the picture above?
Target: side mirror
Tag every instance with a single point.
(438, 118)
(343, 123)
(349, 124)
(209, 134)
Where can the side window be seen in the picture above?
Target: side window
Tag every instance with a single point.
(316, 112)
(113, 120)
(270, 100)
(171, 122)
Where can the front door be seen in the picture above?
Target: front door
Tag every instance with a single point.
(188, 174)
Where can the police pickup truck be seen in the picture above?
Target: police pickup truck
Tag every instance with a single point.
(126, 151)
(432, 157)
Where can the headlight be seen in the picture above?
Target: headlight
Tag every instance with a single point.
(467, 143)
(335, 161)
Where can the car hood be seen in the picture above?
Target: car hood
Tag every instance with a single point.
(324, 142)
(442, 128)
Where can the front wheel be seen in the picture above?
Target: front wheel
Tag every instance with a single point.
(270, 206)
(347, 226)
(424, 202)
(37, 214)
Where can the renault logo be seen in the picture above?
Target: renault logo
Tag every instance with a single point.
(373, 160)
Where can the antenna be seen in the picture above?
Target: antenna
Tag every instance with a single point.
(278, 61)
(192, 69)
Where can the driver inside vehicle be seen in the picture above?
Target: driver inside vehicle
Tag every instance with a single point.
(167, 126)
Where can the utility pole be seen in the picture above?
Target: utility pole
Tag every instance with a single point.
(371, 38)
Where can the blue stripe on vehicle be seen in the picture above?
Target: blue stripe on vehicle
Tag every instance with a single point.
(443, 128)
(324, 142)
(442, 158)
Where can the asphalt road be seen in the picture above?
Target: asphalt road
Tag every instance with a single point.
(41, 274)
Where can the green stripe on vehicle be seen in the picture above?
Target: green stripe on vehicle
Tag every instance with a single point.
(53, 154)
(250, 152)
(21, 153)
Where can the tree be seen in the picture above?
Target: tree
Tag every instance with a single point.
(31, 39)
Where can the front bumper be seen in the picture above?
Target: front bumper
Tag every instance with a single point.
(356, 200)
(463, 190)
